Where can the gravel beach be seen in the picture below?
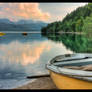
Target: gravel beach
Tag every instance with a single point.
(40, 83)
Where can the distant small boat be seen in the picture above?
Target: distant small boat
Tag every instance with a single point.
(65, 78)
(24, 33)
(1, 34)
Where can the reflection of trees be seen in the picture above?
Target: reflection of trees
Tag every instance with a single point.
(10, 37)
(77, 43)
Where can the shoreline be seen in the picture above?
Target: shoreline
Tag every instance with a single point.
(39, 83)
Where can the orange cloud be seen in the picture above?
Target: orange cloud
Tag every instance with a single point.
(15, 11)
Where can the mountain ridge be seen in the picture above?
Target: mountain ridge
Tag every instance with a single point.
(21, 25)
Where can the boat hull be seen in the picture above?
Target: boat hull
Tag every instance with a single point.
(66, 82)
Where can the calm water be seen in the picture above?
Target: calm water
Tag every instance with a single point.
(22, 56)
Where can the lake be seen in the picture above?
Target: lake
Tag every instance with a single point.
(22, 56)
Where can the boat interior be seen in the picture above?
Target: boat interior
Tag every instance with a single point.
(74, 62)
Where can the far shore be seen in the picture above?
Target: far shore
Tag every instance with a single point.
(62, 32)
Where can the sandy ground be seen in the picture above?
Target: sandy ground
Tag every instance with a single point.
(40, 83)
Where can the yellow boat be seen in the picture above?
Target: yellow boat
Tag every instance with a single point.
(1, 34)
(65, 78)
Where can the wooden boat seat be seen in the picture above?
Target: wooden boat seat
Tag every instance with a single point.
(85, 67)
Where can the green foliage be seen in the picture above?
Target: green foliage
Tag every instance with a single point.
(78, 20)
(87, 27)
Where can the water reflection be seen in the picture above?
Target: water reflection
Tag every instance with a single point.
(24, 54)
(74, 42)
(10, 37)
(27, 55)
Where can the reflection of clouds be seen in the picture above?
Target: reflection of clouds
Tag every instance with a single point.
(57, 49)
(23, 53)
(29, 53)
(54, 49)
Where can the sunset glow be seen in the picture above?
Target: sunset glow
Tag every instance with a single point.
(17, 11)
(47, 12)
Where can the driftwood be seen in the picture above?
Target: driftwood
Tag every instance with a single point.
(85, 68)
(38, 76)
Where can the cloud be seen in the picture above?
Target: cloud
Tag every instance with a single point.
(48, 12)
(59, 10)
(15, 11)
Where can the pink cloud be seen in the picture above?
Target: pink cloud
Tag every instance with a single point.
(15, 11)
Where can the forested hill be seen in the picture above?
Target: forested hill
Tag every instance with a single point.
(79, 20)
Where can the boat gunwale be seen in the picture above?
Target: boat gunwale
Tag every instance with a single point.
(72, 76)
(66, 55)
(82, 77)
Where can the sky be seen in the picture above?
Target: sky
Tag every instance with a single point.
(47, 12)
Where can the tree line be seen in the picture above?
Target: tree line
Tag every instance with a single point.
(79, 20)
